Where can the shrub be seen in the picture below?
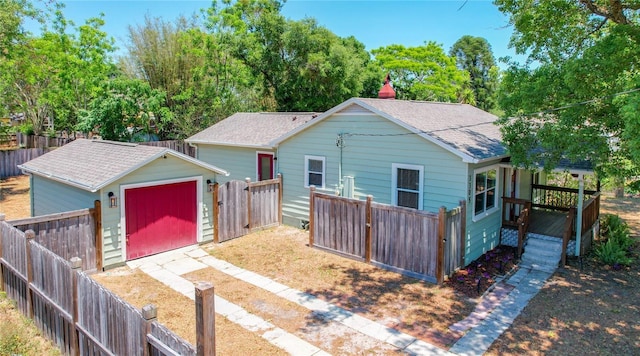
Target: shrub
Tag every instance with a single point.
(612, 253)
(616, 242)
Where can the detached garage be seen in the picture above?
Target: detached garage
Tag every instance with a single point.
(153, 199)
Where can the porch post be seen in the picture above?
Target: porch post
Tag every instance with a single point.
(579, 212)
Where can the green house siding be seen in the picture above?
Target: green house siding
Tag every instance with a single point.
(240, 162)
(483, 232)
(51, 197)
(161, 169)
(371, 145)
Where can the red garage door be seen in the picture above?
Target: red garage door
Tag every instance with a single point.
(160, 218)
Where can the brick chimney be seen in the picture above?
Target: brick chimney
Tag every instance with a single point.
(387, 92)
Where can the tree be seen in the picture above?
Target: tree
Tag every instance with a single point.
(581, 101)
(12, 35)
(302, 65)
(127, 110)
(56, 74)
(203, 82)
(473, 55)
(424, 73)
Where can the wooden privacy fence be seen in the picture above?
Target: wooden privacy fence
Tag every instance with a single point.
(175, 145)
(241, 207)
(39, 141)
(10, 159)
(71, 234)
(416, 243)
(79, 315)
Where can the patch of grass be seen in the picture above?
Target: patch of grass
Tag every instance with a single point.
(18, 335)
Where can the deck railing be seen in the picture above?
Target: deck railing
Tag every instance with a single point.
(512, 208)
(590, 212)
(556, 198)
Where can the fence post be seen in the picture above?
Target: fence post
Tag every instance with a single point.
(205, 320)
(248, 180)
(97, 223)
(312, 190)
(442, 219)
(280, 185)
(1, 276)
(367, 229)
(30, 235)
(76, 265)
(216, 213)
(463, 230)
(150, 315)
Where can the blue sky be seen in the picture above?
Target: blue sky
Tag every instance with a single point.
(375, 23)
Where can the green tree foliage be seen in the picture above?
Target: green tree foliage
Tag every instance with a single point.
(56, 74)
(302, 65)
(474, 55)
(127, 110)
(203, 82)
(580, 101)
(424, 73)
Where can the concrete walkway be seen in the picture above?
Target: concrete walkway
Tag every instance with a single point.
(524, 285)
(486, 324)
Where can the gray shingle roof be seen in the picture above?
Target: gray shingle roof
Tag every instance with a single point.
(251, 129)
(462, 127)
(92, 164)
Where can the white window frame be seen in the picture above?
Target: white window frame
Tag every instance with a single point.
(394, 182)
(307, 158)
(496, 207)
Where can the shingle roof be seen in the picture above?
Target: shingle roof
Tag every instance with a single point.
(251, 129)
(93, 164)
(462, 127)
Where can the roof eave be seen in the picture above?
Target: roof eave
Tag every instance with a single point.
(58, 179)
(229, 144)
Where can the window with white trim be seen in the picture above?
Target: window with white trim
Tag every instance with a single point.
(314, 171)
(485, 193)
(406, 185)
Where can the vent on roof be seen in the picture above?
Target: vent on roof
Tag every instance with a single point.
(387, 92)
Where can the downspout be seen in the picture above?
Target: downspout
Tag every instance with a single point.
(275, 163)
(579, 212)
(340, 144)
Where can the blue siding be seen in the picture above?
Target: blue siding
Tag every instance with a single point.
(51, 197)
(371, 145)
(240, 162)
(483, 233)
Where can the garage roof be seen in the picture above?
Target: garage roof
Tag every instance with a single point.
(93, 164)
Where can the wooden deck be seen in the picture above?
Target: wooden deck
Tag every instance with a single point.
(549, 223)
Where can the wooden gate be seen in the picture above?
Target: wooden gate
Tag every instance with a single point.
(233, 215)
(242, 206)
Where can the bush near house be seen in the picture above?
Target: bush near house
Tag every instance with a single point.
(616, 243)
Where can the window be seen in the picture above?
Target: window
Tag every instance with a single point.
(314, 170)
(406, 185)
(485, 191)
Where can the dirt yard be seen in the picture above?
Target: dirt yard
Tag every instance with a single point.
(14, 197)
(585, 307)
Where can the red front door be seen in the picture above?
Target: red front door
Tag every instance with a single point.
(265, 166)
(160, 218)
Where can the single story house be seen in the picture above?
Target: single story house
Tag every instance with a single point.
(416, 154)
(244, 143)
(153, 199)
